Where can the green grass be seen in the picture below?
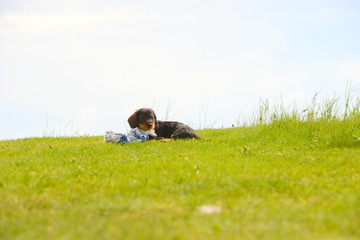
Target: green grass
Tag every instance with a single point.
(289, 179)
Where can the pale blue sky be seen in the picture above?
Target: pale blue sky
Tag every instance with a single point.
(75, 67)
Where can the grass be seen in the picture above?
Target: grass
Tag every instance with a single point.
(282, 178)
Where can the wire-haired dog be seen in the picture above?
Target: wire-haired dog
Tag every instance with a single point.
(146, 120)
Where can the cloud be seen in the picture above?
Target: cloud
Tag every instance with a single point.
(13, 24)
(81, 122)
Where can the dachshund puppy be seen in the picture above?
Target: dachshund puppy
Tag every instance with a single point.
(145, 119)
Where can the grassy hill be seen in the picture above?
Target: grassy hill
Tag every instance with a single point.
(284, 180)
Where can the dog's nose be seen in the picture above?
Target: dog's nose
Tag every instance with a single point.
(150, 124)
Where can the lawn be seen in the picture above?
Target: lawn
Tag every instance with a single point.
(284, 180)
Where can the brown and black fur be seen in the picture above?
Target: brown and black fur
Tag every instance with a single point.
(146, 120)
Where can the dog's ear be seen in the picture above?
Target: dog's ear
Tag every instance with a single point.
(133, 120)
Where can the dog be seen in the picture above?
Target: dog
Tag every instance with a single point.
(145, 119)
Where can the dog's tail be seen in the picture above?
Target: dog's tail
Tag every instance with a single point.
(196, 137)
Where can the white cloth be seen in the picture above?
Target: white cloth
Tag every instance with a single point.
(134, 135)
(138, 135)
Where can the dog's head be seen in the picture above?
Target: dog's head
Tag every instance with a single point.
(144, 118)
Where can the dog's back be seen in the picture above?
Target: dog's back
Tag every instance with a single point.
(175, 130)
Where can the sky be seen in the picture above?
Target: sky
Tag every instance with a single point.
(81, 67)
